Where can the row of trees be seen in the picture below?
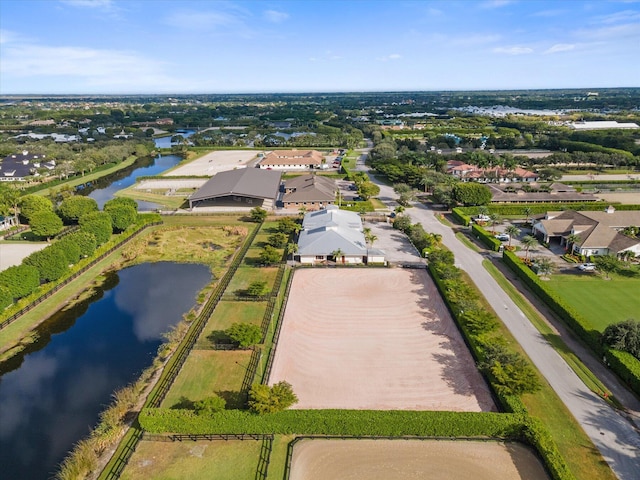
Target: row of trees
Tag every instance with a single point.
(54, 261)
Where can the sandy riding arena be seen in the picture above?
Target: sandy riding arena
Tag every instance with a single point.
(215, 162)
(13, 253)
(413, 459)
(378, 339)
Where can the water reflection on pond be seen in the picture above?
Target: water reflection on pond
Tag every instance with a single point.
(55, 396)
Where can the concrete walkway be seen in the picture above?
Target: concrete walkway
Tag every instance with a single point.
(615, 436)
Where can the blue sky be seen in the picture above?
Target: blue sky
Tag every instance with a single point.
(147, 46)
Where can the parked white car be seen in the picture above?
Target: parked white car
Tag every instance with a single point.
(503, 237)
(587, 267)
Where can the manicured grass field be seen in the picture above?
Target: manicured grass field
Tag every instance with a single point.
(228, 312)
(245, 276)
(230, 460)
(207, 372)
(602, 302)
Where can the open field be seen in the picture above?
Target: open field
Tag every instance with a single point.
(632, 198)
(377, 339)
(229, 312)
(12, 253)
(207, 372)
(413, 459)
(246, 276)
(214, 162)
(600, 301)
(229, 460)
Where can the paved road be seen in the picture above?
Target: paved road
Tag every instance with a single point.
(615, 437)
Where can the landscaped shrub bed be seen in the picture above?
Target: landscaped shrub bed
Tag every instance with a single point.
(465, 213)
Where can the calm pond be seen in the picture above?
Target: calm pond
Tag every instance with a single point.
(56, 394)
(104, 188)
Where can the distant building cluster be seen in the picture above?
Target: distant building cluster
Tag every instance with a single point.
(17, 166)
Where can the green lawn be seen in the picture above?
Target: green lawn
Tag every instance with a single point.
(245, 276)
(229, 312)
(229, 460)
(600, 301)
(207, 372)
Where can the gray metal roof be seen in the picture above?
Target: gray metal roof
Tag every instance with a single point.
(246, 182)
(326, 231)
(310, 188)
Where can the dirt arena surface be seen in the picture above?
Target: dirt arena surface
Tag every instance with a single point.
(413, 459)
(12, 253)
(214, 162)
(379, 339)
(620, 197)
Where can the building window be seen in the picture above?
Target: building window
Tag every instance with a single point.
(319, 257)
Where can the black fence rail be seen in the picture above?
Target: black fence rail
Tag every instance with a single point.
(67, 231)
(9, 236)
(73, 276)
(251, 369)
(159, 392)
(180, 356)
(206, 437)
(233, 297)
(276, 334)
(122, 460)
(273, 299)
(265, 458)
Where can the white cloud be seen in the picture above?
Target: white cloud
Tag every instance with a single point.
(626, 16)
(516, 50)
(560, 47)
(495, 3)
(393, 56)
(275, 16)
(105, 4)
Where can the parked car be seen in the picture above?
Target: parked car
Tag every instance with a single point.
(587, 267)
(503, 237)
(483, 218)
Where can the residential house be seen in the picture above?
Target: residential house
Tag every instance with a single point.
(17, 166)
(466, 172)
(598, 232)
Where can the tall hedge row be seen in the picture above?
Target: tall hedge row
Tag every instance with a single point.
(486, 237)
(390, 423)
(537, 208)
(626, 366)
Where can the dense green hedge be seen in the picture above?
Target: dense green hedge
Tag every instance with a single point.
(626, 366)
(335, 422)
(461, 217)
(363, 423)
(486, 237)
(464, 213)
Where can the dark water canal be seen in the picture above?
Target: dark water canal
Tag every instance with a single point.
(53, 398)
(103, 189)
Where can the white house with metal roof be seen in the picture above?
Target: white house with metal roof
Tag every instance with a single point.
(334, 235)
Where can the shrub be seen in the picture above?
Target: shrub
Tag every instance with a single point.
(258, 214)
(45, 224)
(32, 204)
(277, 240)
(485, 237)
(85, 241)
(121, 201)
(257, 289)
(471, 193)
(266, 399)
(99, 224)
(6, 297)
(269, 255)
(50, 264)
(209, 405)
(122, 216)
(245, 334)
(624, 336)
(72, 208)
(510, 372)
(20, 280)
(67, 249)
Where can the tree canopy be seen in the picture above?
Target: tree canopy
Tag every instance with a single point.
(46, 224)
(471, 193)
(266, 399)
(245, 334)
(74, 207)
(32, 204)
(624, 336)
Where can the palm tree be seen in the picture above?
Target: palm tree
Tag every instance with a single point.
(494, 218)
(626, 256)
(527, 211)
(527, 242)
(572, 239)
(337, 253)
(545, 267)
(482, 210)
(370, 239)
(512, 231)
(292, 249)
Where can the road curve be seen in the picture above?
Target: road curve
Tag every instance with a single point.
(615, 437)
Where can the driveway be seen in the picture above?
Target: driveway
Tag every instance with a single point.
(615, 436)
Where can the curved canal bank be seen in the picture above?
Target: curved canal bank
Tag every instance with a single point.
(91, 350)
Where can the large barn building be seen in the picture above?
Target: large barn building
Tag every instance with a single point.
(244, 187)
